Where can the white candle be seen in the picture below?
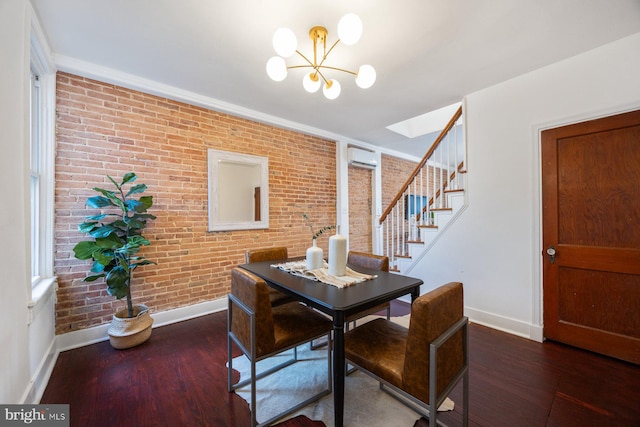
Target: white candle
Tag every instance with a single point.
(337, 255)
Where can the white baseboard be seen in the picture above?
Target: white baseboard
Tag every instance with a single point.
(504, 324)
(38, 383)
(96, 334)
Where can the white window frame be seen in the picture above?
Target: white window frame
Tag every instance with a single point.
(42, 169)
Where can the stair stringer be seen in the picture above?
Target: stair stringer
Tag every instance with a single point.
(458, 203)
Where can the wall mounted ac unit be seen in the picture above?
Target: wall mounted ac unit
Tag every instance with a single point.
(362, 158)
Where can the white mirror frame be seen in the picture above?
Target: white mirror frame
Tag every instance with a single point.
(219, 187)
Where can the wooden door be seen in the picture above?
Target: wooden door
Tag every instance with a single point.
(591, 219)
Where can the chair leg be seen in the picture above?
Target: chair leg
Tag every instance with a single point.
(465, 399)
(229, 365)
(254, 420)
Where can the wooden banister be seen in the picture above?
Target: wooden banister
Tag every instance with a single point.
(415, 172)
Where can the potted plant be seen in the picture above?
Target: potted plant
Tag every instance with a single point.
(116, 238)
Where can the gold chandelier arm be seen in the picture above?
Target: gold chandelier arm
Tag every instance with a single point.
(329, 51)
(337, 69)
(317, 67)
(311, 64)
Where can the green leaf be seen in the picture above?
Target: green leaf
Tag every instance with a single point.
(117, 282)
(97, 217)
(136, 189)
(128, 177)
(103, 231)
(119, 223)
(85, 250)
(106, 193)
(143, 262)
(87, 227)
(119, 203)
(135, 223)
(112, 241)
(93, 278)
(134, 205)
(137, 240)
(145, 216)
(98, 202)
(147, 202)
(98, 267)
(102, 257)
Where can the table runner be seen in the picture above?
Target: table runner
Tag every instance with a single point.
(299, 268)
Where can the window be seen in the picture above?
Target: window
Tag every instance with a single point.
(35, 172)
(41, 154)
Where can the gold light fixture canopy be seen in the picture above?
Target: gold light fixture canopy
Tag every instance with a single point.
(285, 45)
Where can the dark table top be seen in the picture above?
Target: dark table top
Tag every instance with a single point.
(330, 299)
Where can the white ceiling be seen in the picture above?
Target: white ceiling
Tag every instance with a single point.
(427, 53)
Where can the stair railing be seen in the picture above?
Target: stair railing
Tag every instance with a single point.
(424, 192)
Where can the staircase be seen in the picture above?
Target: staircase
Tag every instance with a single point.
(430, 200)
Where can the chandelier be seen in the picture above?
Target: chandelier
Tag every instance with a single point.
(286, 45)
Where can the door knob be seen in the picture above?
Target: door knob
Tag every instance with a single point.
(552, 254)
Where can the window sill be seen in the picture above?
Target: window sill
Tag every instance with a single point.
(41, 292)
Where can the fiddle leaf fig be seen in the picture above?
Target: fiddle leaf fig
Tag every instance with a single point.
(98, 202)
(117, 236)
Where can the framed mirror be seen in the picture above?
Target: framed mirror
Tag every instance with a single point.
(238, 191)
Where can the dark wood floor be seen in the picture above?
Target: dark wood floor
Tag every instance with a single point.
(178, 378)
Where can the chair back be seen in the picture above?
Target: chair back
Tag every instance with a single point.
(431, 315)
(367, 260)
(266, 254)
(253, 292)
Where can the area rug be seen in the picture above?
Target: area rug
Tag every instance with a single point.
(365, 403)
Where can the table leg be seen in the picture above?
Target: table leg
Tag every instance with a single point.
(415, 293)
(338, 368)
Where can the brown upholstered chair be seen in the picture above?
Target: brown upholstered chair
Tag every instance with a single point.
(278, 253)
(374, 262)
(261, 331)
(424, 362)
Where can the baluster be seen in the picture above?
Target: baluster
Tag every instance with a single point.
(433, 181)
(448, 160)
(402, 228)
(455, 155)
(422, 194)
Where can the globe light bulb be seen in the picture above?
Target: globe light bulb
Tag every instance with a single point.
(350, 29)
(311, 82)
(366, 76)
(285, 42)
(331, 89)
(277, 68)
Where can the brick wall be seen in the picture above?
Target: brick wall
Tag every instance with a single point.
(395, 172)
(360, 209)
(105, 129)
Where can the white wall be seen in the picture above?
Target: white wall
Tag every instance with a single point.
(27, 350)
(494, 247)
(14, 148)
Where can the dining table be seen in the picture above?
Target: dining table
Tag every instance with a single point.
(338, 303)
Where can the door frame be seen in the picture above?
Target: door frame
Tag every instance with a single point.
(537, 309)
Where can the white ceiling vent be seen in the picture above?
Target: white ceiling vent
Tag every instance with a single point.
(362, 158)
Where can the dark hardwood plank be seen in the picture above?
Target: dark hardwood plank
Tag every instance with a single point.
(178, 378)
